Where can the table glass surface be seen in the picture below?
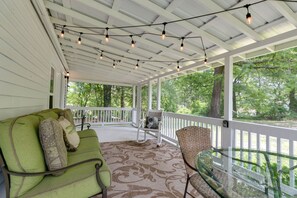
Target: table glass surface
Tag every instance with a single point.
(248, 173)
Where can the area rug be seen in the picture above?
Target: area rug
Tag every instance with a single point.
(142, 170)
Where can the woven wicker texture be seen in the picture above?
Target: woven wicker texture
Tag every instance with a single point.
(192, 140)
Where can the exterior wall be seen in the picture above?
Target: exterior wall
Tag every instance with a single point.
(26, 58)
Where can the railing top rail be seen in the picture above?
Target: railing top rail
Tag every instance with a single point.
(265, 129)
(100, 108)
(216, 121)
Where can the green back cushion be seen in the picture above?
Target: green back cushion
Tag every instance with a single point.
(22, 151)
(48, 114)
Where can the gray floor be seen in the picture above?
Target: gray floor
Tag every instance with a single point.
(117, 133)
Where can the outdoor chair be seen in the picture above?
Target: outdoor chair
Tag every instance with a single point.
(151, 123)
(192, 140)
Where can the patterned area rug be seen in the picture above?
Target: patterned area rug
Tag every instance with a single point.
(144, 170)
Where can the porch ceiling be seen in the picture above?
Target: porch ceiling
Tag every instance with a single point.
(222, 34)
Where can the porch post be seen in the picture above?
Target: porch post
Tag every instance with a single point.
(159, 94)
(228, 102)
(138, 104)
(149, 105)
(133, 96)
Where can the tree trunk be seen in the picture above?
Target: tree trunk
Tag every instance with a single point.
(234, 105)
(107, 95)
(122, 97)
(293, 101)
(216, 93)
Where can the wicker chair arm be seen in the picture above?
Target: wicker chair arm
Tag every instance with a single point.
(14, 173)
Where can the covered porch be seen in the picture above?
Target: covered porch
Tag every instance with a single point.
(48, 44)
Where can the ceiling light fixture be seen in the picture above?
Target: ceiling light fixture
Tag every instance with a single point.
(132, 41)
(62, 32)
(182, 44)
(106, 35)
(79, 38)
(177, 66)
(101, 55)
(248, 14)
(163, 32)
(136, 66)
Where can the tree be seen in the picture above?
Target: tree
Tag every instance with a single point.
(216, 93)
(107, 95)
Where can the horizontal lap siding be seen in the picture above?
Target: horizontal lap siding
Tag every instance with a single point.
(26, 58)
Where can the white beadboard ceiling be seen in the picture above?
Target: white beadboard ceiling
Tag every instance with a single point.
(223, 34)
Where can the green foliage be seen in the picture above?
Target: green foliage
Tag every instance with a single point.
(92, 95)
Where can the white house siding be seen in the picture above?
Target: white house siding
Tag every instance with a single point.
(26, 58)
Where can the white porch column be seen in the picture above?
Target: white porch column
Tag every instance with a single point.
(228, 102)
(133, 96)
(159, 94)
(149, 104)
(138, 104)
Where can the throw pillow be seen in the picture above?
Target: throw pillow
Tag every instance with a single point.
(69, 129)
(66, 113)
(152, 122)
(51, 139)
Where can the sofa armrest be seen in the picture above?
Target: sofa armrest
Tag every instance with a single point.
(14, 173)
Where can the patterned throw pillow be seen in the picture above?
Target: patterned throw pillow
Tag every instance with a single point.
(51, 139)
(152, 122)
(71, 137)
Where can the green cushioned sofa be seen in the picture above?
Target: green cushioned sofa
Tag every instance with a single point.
(24, 168)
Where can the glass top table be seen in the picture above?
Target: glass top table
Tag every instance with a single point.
(248, 173)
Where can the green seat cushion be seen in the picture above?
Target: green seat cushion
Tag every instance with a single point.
(22, 151)
(79, 181)
(86, 145)
(87, 133)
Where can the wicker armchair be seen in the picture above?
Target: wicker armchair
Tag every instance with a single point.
(192, 140)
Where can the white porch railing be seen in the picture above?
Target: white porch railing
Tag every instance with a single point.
(173, 121)
(102, 115)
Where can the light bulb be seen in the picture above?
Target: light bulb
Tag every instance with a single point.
(106, 38)
(205, 61)
(132, 43)
(249, 18)
(163, 35)
(62, 34)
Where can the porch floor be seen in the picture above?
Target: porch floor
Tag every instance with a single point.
(113, 133)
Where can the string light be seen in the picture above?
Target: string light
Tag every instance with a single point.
(106, 35)
(182, 44)
(177, 66)
(62, 32)
(248, 14)
(163, 32)
(67, 74)
(101, 55)
(79, 38)
(205, 59)
(136, 66)
(132, 41)
(114, 65)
